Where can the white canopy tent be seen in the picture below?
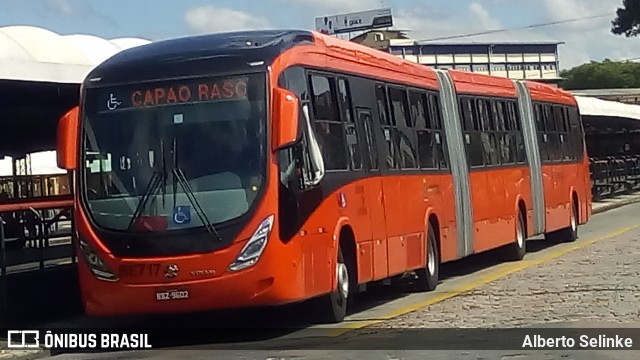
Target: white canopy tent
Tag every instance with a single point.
(611, 127)
(30, 53)
(590, 106)
(40, 76)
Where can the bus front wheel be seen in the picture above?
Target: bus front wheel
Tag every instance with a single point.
(335, 304)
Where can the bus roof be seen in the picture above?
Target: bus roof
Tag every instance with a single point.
(192, 55)
(481, 84)
(544, 92)
(256, 50)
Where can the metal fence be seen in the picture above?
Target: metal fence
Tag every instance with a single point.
(611, 176)
(27, 234)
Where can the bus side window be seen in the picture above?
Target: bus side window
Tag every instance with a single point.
(489, 144)
(564, 136)
(540, 130)
(364, 116)
(327, 124)
(294, 79)
(298, 170)
(353, 145)
(436, 123)
(575, 129)
(402, 128)
(505, 139)
(471, 126)
(424, 131)
(550, 132)
(570, 151)
(516, 126)
(387, 131)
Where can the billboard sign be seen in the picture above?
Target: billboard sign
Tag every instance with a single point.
(358, 21)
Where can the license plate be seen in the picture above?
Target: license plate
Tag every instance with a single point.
(165, 295)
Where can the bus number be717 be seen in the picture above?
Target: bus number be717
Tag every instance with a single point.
(135, 270)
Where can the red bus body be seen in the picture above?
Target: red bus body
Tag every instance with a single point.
(380, 219)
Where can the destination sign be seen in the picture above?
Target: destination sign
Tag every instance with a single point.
(175, 92)
(183, 93)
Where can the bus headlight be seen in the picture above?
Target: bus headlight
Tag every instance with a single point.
(99, 269)
(255, 246)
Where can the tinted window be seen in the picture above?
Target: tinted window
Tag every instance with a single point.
(353, 143)
(365, 118)
(324, 104)
(383, 110)
(327, 125)
(345, 100)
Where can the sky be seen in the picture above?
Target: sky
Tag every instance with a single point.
(160, 19)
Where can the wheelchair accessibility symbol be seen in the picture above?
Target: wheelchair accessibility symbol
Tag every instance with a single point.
(182, 215)
(113, 102)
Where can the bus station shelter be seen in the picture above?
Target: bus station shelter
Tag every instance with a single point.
(40, 76)
(612, 131)
(612, 128)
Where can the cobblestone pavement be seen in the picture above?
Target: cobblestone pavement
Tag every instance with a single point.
(600, 282)
(17, 354)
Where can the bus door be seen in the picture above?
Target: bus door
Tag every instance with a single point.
(374, 194)
(392, 106)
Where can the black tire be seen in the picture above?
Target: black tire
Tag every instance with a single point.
(517, 250)
(569, 234)
(429, 276)
(334, 305)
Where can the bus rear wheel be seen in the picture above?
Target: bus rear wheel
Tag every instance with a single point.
(518, 249)
(428, 277)
(570, 233)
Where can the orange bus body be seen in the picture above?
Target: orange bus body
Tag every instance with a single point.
(380, 221)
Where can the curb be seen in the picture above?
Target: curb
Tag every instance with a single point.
(615, 205)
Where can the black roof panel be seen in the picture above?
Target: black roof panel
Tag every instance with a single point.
(214, 53)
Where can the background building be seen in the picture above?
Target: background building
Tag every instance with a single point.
(490, 54)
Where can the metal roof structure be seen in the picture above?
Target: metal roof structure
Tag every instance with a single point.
(40, 76)
(30, 53)
(628, 95)
(590, 106)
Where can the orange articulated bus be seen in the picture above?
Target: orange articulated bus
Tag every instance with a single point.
(270, 167)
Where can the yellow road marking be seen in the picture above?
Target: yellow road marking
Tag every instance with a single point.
(502, 270)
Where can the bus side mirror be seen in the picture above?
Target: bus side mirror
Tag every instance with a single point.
(67, 144)
(286, 112)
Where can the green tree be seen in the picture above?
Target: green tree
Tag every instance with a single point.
(627, 21)
(602, 75)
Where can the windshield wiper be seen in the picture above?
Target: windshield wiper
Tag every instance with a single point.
(152, 188)
(182, 180)
(184, 183)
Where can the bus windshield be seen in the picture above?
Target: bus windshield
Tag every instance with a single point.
(174, 155)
